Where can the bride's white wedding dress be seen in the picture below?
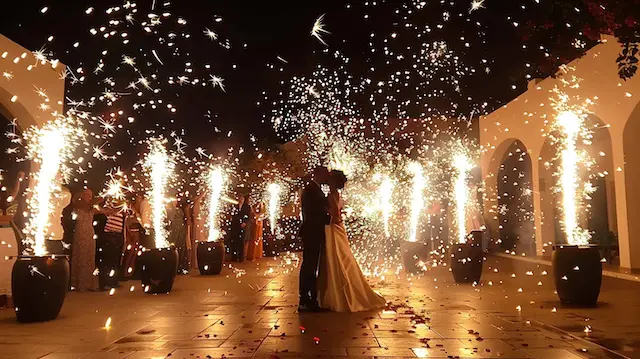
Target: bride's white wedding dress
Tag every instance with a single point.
(342, 286)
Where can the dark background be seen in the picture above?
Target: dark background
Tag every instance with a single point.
(218, 120)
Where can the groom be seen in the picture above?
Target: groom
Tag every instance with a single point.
(314, 218)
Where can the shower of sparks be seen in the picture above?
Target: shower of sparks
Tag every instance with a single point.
(385, 193)
(52, 147)
(462, 165)
(318, 29)
(216, 188)
(575, 163)
(417, 198)
(274, 190)
(159, 167)
(571, 125)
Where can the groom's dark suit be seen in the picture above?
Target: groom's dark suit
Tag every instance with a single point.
(314, 218)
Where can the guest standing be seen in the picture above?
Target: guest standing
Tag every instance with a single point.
(68, 225)
(254, 245)
(133, 235)
(83, 248)
(112, 252)
(239, 228)
(178, 234)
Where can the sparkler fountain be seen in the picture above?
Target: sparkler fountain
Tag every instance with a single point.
(40, 281)
(160, 264)
(211, 253)
(577, 266)
(386, 206)
(466, 256)
(274, 190)
(413, 251)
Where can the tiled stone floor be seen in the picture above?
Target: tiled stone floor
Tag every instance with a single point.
(251, 312)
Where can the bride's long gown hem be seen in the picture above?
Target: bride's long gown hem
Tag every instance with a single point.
(342, 286)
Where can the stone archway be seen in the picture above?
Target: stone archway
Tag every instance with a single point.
(515, 200)
(601, 219)
(503, 216)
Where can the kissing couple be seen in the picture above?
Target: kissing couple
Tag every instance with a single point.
(330, 277)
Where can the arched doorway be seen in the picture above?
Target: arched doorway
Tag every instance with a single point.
(515, 200)
(601, 219)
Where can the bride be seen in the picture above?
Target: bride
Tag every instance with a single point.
(342, 286)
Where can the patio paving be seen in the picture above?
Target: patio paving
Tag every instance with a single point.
(250, 312)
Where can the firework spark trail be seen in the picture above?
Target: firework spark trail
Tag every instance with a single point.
(216, 186)
(274, 190)
(51, 146)
(116, 190)
(318, 29)
(462, 165)
(159, 168)
(417, 199)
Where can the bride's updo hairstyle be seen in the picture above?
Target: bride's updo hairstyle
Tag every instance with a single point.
(339, 179)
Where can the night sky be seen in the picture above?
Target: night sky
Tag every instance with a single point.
(258, 33)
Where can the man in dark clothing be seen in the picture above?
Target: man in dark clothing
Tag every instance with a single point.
(314, 220)
(114, 241)
(240, 221)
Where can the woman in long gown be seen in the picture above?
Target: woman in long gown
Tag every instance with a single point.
(254, 245)
(342, 286)
(83, 248)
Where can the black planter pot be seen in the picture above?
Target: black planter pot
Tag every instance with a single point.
(466, 262)
(39, 286)
(577, 271)
(412, 254)
(159, 269)
(210, 257)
